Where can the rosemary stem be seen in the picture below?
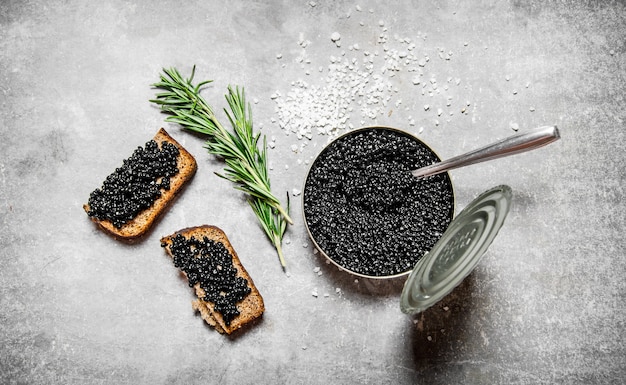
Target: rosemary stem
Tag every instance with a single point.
(283, 213)
(278, 246)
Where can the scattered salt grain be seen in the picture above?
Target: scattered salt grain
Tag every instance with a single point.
(304, 43)
(296, 192)
(335, 36)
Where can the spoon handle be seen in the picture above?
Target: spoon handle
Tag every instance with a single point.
(515, 144)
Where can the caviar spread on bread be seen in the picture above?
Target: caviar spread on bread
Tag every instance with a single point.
(227, 296)
(135, 194)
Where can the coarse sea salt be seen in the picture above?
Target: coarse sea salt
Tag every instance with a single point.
(359, 85)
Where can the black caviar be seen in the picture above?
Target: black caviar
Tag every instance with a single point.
(209, 263)
(135, 185)
(364, 208)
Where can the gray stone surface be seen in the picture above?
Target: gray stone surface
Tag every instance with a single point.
(546, 304)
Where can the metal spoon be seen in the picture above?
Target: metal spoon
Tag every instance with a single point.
(515, 144)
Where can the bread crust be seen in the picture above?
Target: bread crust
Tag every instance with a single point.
(250, 308)
(143, 221)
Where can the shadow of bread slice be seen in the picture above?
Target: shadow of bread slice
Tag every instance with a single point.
(135, 194)
(227, 297)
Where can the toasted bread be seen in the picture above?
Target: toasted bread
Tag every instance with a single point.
(249, 307)
(143, 220)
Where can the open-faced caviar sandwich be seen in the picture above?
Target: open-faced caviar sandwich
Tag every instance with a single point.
(136, 193)
(227, 297)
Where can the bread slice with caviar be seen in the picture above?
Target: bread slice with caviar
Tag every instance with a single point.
(136, 193)
(227, 297)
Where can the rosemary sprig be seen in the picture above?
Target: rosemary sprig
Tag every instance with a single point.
(246, 165)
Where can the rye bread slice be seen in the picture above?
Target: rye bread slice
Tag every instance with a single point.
(142, 222)
(250, 307)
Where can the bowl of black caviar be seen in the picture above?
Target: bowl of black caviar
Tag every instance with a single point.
(366, 212)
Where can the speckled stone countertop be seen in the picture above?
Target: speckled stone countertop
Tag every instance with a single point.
(545, 305)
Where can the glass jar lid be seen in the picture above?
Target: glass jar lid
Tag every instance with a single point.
(458, 251)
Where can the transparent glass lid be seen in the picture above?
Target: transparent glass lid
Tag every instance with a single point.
(458, 251)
